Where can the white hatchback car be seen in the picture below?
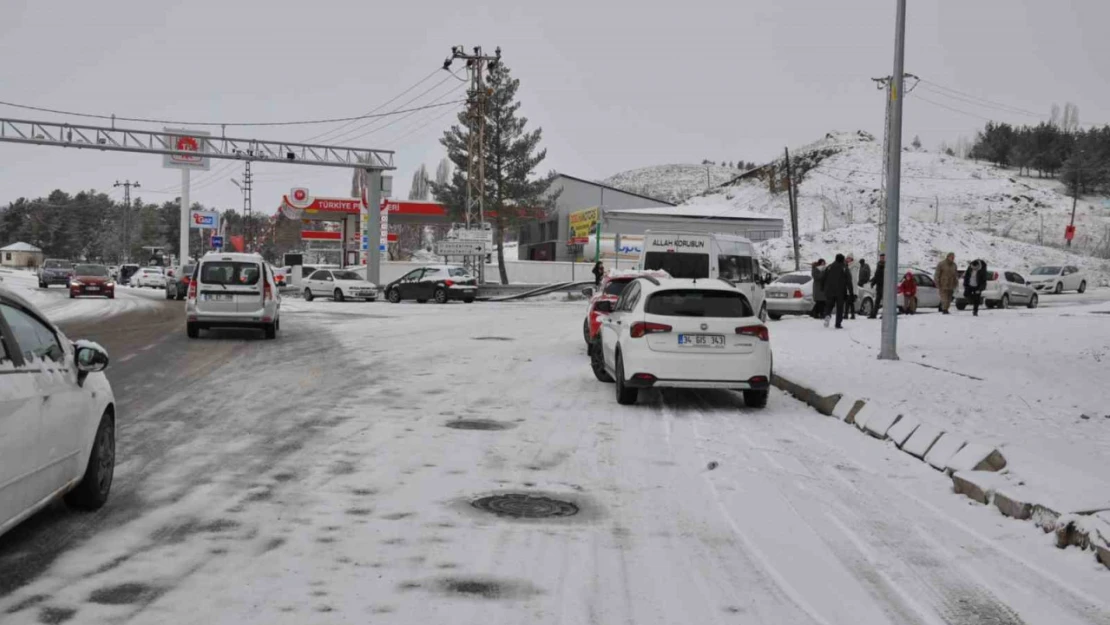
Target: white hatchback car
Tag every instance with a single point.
(338, 284)
(683, 334)
(1057, 279)
(149, 277)
(232, 291)
(57, 416)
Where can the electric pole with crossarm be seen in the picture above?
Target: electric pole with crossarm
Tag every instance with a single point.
(127, 184)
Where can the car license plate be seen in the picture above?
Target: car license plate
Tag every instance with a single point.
(217, 297)
(777, 295)
(701, 340)
(92, 288)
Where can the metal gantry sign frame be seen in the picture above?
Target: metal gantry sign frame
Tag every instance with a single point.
(112, 139)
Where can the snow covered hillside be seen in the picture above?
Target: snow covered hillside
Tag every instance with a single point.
(948, 204)
(674, 183)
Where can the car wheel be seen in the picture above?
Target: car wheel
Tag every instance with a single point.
(112, 295)
(169, 295)
(586, 331)
(1005, 301)
(625, 396)
(961, 306)
(1059, 288)
(191, 330)
(394, 296)
(421, 301)
(270, 329)
(307, 295)
(866, 307)
(440, 296)
(71, 295)
(756, 399)
(337, 295)
(469, 300)
(774, 316)
(597, 362)
(93, 490)
(1082, 286)
(1033, 301)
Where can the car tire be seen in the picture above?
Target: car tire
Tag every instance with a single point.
(394, 296)
(92, 492)
(756, 399)
(112, 295)
(307, 295)
(586, 331)
(421, 301)
(1033, 301)
(170, 295)
(625, 396)
(440, 296)
(1083, 286)
(192, 330)
(961, 306)
(763, 312)
(71, 295)
(337, 295)
(597, 362)
(1005, 303)
(469, 300)
(1059, 288)
(270, 330)
(774, 316)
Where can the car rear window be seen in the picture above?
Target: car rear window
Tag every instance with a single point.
(92, 270)
(677, 264)
(458, 272)
(230, 273)
(56, 264)
(346, 275)
(794, 279)
(616, 286)
(698, 303)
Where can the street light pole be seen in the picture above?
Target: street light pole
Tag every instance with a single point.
(889, 346)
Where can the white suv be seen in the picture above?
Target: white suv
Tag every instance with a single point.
(232, 291)
(1057, 279)
(683, 334)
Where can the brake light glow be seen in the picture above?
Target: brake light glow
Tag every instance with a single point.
(192, 289)
(994, 275)
(640, 328)
(760, 332)
(448, 283)
(267, 293)
(758, 380)
(798, 294)
(646, 377)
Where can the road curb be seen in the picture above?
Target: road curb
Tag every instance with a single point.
(973, 467)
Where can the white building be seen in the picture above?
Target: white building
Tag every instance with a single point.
(20, 255)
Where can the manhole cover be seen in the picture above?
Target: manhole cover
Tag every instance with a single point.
(520, 506)
(492, 338)
(478, 424)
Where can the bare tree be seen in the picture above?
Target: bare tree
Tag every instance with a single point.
(1071, 117)
(1054, 116)
(419, 189)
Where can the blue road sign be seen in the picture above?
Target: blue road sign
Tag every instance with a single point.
(217, 241)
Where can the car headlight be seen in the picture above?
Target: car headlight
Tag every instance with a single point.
(74, 283)
(109, 284)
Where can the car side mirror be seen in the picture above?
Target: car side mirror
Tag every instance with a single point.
(588, 291)
(89, 358)
(604, 306)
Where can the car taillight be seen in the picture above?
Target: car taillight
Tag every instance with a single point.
(798, 295)
(448, 283)
(641, 328)
(758, 380)
(760, 332)
(192, 289)
(267, 293)
(994, 275)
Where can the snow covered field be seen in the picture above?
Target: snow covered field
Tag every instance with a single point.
(57, 306)
(322, 484)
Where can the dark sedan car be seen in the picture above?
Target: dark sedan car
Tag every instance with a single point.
(92, 280)
(441, 283)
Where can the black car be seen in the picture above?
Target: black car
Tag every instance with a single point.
(441, 283)
(177, 282)
(125, 273)
(55, 271)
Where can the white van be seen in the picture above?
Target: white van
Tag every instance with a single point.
(699, 255)
(232, 291)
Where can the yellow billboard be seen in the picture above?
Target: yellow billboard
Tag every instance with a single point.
(583, 223)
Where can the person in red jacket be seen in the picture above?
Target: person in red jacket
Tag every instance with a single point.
(908, 289)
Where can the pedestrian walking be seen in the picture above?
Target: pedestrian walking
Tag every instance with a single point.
(975, 282)
(877, 284)
(947, 277)
(853, 269)
(817, 271)
(838, 289)
(599, 273)
(908, 289)
(864, 273)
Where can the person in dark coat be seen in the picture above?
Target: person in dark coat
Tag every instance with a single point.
(818, 273)
(975, 282)
(877, 284)
(599, 273)
(838, 289)
(864, 273)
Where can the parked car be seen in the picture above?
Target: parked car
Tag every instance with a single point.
(610, 289)
(91, 280)
(681, 333)
(1057, 279)
(57, 416)
(233, 291)
(125, 273)
(149, 277)
(441, 283)
(790, 294)
(54, 271)
(1004, 289)
(338, 284)
(177, 281)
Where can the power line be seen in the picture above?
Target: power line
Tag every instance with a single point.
(347, 135)
(972, 99)
(954, 110)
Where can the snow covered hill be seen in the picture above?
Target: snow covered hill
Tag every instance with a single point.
(948, 204)
(674, 183)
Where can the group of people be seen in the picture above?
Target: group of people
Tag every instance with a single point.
(975, 279)
(834, 286)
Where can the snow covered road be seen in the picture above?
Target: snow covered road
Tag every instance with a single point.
(314, 479)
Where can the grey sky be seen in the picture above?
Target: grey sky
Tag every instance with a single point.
(614, 85)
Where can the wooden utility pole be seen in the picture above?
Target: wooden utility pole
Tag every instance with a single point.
(792, 199)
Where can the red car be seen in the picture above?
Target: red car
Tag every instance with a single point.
(610, 290)
(92, 280)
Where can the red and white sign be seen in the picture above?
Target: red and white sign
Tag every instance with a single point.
(1069, 232)
(579, 240)
(194, 142)
(322, 235)
(299, 197)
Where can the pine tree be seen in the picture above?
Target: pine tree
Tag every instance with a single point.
(511, 157)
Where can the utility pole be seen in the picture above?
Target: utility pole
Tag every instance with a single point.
(708, 184)
(1074, 200)
(889, 349)
(245, 187)
(127, 184)
(884, 84)
(936, 209)
(792, 200)
(476, 64)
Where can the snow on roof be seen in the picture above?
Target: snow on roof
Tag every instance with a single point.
(20, 247)
(703, 211)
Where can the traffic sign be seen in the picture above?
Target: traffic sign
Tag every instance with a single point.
(462, 248)
(204, 219)
(579, 240)
(1069, 232)
(217, 241)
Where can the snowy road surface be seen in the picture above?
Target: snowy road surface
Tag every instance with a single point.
(313, 479)
(55, 303)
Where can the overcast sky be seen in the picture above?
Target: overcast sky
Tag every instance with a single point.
(615, 85)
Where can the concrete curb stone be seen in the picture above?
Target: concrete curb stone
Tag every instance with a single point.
(900, 432)
(880, 424)
(944, 449)
(976, 457)
(922, 440)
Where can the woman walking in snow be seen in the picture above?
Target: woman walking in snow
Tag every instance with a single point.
(818, 273)
(975, 282)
